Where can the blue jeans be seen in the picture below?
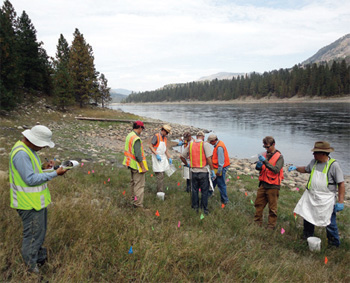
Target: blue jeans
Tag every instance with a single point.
(221, 182)
(200, 181)
(34, 231)
(332, 230)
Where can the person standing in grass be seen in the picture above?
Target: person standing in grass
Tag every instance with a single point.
(221, 162)
(160, 158)
(135, 160)
(200, 156)
(29, 192)
(318, 204)
(187, 141)
(270, 165)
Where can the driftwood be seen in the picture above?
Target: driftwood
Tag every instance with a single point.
(112, 120)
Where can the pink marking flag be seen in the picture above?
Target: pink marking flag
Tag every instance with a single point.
(297, 189)
(92, 171)
(283, 231)
(178, 224)
(109, 179)
(135, 197)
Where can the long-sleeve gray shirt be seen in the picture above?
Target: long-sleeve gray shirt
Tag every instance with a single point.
(23, 165)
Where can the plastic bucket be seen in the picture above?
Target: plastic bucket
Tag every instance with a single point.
(170, 171)
(314, 244)
(161, 195)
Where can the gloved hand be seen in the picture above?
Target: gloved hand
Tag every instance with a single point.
(339, 207)
(213, 176)
(259, 165)
(187, 165)
(180, 143)
(292, 168)
(158, 157)
(261, 158)
(170, 161)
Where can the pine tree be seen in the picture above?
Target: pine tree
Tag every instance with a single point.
(63, 85)
(104, 90)
(10, 82)
(32, 63)
(81, 69)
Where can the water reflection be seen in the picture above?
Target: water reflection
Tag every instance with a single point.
(242, 127)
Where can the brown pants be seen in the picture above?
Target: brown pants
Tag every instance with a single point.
(137, 186)
(263, 197)
(160, 181)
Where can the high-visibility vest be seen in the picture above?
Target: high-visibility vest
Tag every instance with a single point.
(325, 171)
(197, 155)
(129, 153)
(159, 139)
(267, 175)
(215, 158)
(22, 195)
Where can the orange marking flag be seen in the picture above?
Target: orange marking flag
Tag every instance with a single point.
(325, 260)
(157, 213)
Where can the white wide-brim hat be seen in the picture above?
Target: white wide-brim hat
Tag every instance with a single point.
(39, 136)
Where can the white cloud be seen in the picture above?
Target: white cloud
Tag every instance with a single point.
(143, 45)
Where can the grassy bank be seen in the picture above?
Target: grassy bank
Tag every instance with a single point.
(92, 226)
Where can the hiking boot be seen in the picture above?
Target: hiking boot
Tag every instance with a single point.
(34, 270)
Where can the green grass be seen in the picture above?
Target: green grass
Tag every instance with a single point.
(92, 225)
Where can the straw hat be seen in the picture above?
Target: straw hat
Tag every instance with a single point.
(167, 128)
(39, 136)
(322, 146)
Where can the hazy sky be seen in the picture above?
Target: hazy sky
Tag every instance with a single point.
(144, 44)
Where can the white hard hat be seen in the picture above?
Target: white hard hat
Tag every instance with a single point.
(39, 136)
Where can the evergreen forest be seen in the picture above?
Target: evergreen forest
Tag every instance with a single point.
(70, 78)
(322, 80)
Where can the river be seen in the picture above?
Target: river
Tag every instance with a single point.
(295, 126)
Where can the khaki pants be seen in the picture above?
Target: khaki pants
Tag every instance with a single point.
(160, 181)
(263, 197)
(137, 186)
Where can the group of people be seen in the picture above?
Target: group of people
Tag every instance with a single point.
(207, 163)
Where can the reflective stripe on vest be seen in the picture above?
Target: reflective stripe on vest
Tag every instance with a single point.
(23, 196)
(197, 155)
(129, 153)
(324, 171)
(215, 158)
(159, 139)
(267, 175)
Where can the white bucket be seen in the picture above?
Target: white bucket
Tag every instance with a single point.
(314, 244)
(161, 195)
(170, 171)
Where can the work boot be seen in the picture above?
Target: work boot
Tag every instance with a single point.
(34, 270)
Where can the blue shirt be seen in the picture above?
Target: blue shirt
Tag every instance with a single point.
(23, 165)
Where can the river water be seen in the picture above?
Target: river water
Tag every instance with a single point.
(295, 126)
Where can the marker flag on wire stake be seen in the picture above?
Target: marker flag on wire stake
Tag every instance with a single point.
(135, 197)
(297, 189)
(246, 194)
(130, 250)
(251, 202)
(325, 260)
(283, 231)
(157, 213)
(202, 216)
(178, 224)
(295, 216)
(124, 193)
(222, 205)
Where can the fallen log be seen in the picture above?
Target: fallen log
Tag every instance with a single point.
(113, 120)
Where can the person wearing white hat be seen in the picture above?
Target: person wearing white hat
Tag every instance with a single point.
(318, 204)
(29, 192)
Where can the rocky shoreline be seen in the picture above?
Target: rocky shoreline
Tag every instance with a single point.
(101, 143)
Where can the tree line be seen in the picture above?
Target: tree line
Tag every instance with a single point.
(324, 80)
(26, 70)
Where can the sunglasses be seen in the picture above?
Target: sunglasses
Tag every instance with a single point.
(267, 146)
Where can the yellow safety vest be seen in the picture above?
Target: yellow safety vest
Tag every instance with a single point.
(129, 153)
(325, 171)
(22, 195)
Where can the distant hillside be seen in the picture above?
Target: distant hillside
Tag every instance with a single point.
(119, 94)
(336, 51)
(221, 76)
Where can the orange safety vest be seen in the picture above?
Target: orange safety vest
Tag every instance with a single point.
(197, 155)
(159, 139)
(129, 154)
(215, 155)
(267, 175)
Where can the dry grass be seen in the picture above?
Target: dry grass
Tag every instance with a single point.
(91, 227)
